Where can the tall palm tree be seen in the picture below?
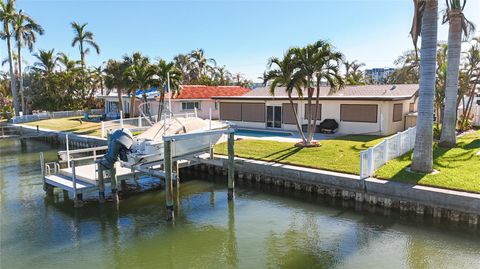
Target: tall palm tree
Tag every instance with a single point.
(7, 16)
(425, 24)
(327, 69)
(281, 73)
(139, 73)
(83, 38)
(457, 24)
(25, 33)
(223, 76)
(306, 62)
(163, 71)
(317, 62)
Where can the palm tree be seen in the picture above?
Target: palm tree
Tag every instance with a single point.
(164, 71)
(353, 75)
(471, 78)
(457, 24)
(25, 31)
(67, 63)
(7, 16)
(327, 69)
(223, 76)
(139, 73)
(407, 70)
(201, 65)
(83, 38)
(47, 61)
(425, 23)
(183, 64)
(98, 75)
(282, 74)
(115, 79)
(318, 61)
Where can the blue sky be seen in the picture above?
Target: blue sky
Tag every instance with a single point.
(241, 35)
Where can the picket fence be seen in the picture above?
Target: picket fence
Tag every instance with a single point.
(390, 148)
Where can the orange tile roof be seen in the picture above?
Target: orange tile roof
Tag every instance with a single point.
(207, 92)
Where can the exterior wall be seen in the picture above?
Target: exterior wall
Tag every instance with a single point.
(331, 110)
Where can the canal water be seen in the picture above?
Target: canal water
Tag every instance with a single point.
(262, 228)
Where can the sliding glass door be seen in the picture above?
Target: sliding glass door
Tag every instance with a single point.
(274, 117)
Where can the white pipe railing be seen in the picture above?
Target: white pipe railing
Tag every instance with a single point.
(390, 148)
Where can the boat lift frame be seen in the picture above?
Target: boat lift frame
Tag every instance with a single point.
(166, 171)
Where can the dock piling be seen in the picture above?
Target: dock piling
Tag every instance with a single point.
(168, 178)
(231, 165)
(113, 183)
(101, 184)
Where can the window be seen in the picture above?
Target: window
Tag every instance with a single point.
(288, 115)
(358, 113)
(397, 112)
(190, 105)
(231, 111)
(253, 112)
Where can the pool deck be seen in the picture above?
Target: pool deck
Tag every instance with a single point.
(295, 137)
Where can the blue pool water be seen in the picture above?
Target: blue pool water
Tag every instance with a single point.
(260, 133)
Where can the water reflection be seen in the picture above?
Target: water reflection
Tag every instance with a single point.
(261, 228)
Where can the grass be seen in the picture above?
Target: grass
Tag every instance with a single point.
(340, 154)
(458, 168)
(71, 124)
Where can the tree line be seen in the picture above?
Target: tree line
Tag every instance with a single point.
(57, 82)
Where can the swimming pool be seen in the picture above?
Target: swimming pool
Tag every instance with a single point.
(261, 133)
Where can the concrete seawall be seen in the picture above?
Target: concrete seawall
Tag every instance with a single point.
(408, 198)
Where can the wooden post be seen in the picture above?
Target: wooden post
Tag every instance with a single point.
(231, 165)
(167, 146)
(101, 184)
(77, 202)
(113, 183)
(42, 170)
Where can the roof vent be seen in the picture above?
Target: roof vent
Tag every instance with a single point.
(393, 87)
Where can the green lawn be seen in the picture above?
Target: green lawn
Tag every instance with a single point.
(341, 154)
(71, 124)
(458, 168)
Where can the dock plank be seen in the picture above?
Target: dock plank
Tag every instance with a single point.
(66, 183)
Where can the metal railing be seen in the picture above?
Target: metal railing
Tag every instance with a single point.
(390, 148)
(139, 123)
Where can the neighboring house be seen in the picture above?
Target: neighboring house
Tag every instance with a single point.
(189, 98)
(379, 75)
(199, 97)
(112, 105)
(368, 109)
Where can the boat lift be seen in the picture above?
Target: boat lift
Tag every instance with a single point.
(80, 179)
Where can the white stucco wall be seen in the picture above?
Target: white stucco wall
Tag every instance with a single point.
(331, 110)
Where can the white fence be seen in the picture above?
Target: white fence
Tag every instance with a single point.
(139, 123)
(390, 148)
(55, 114)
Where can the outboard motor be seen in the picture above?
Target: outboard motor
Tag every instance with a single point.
(121, 141)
